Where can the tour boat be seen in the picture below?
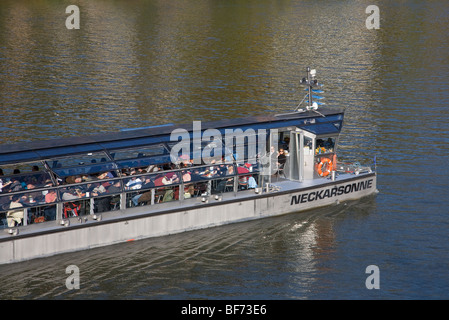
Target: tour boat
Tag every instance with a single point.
(71, 194)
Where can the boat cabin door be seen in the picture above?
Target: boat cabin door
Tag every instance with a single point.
(307, 155)
(293, 168)
(299, 165)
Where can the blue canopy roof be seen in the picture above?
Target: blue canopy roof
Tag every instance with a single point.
(328, 121)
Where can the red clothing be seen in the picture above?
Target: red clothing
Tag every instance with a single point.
(158, 181)
(50, 197)
(241, 170)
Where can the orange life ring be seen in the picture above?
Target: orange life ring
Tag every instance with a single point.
(329, 167)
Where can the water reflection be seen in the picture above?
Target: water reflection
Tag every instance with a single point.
(159, 62)
(279, 258)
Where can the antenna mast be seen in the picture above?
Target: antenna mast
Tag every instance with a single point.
(312, 86)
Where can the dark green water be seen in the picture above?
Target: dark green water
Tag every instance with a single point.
(139, 63)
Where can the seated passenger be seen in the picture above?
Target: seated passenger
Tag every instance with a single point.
(98, 190)
(72, 194)
(48, 183)
(50, 197)
(185, 160)
(168, 195)
(103, 204)
(221, 170)
(158, 181)
(152, 168)
(114, 188)
(70, 180)
(103, 175)
(142, 198)
(252, 184)
(242, 169)
(147, 184)
(221, 186)
(31, 197)
(186, 177)
(243, 182)
(133, 184)
(50, 211)
(230, 170)
(15, 216)
(170, 178)
(16, 185)
(195, 175)
(189, 191)
(4, 185)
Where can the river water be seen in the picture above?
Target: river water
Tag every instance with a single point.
(140, 63)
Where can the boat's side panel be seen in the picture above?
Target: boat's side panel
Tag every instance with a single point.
(7, 252)
(105, 234)
(311, 198)
(101, 234)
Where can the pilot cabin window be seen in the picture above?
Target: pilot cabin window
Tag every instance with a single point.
(325, 145)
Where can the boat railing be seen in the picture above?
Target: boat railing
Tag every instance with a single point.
(352, 168)
(108, 194)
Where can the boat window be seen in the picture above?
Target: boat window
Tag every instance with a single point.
(167, 194)
(78, 160)
(29, 198)
(156, 195)
(248, 176)
(86, 173)
(3, 220)
(325, 145)
(151, 180)
(207, 172)
(243, 147)
(41, 213)
(215, 151)
(167, 178)
(143, 165)
(322, 128)
(13, 210)
(284, 140)
(182, 152)
(79, 147)
(40, 206)
(20, 156)
(82, 167)
(127, 143)
(137, 153)
(308, 145)
(90, 189)
(247, 167)
(21, 168)
(24, 182)
(198, 152)
(76, 208)
(107, 203)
